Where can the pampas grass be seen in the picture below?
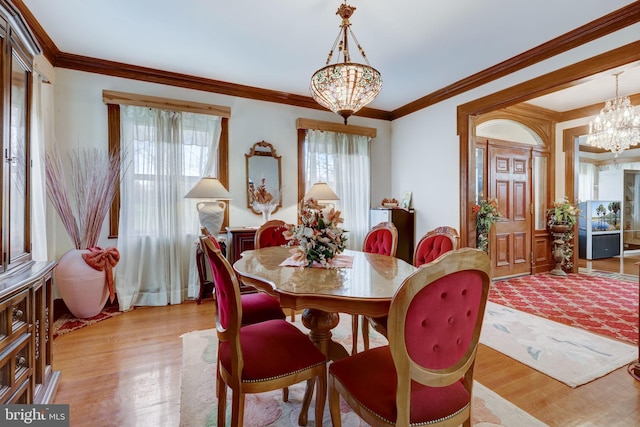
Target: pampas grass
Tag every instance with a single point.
(82, 197)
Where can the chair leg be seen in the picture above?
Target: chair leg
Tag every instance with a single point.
(293, 315)
(321, 398)
(334, 404)
(365, 332)
(285, 394)
(306, 402)
(237, 408)
(354, 334)
(221, 393)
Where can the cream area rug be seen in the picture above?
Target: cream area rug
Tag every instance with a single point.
(198, 404)
(570, 355)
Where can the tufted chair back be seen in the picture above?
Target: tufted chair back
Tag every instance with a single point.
(435, 243)
(382, 239)
(270, 234)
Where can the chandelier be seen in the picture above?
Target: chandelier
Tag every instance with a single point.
(617, 127)
(345, 87)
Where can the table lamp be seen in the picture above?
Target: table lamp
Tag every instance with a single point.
(320, 191)
(211, 214)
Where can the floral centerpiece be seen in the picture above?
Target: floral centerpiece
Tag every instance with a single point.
(261, 199)
(318, 238)
(561, 218)
(486, 213)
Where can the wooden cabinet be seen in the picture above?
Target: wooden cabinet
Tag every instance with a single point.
(404, 221)
(239, 239)
(26, 335)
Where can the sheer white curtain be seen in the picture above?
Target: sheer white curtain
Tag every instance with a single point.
(166, 153)
(587, 180)
(342, 161)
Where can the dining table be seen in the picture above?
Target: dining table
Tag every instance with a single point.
(360, 283)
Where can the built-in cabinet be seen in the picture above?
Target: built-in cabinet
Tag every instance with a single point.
(26, 335)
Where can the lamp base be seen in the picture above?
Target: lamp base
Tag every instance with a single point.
(211, 215)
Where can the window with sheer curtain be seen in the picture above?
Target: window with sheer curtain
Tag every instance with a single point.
(166, 153)
(342, 161)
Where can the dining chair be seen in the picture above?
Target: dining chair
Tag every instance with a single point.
(424, 376)
(270, 234)
(262, 356)
(256, 306)
(433, 244)
(381, 239)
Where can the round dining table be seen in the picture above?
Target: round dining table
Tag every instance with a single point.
(364, 284)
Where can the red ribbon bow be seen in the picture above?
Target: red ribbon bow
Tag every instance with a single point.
(104, 259)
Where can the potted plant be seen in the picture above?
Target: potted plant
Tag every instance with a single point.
(561, 219)
(81, 192)
(486, 214)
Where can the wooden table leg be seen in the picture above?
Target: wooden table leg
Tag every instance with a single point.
(320, 324)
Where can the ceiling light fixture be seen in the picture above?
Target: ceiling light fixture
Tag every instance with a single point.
(345, 87)
(617, 127)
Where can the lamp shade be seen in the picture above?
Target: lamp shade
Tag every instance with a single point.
(321, 191)
(208, 188)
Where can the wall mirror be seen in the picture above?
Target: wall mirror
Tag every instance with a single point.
(264, 181)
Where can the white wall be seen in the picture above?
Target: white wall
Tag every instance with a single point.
(425, 149)
(81, 119)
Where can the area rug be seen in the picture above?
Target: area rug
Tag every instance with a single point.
(599, 304)
(570, 355)
(198, 405)
(68, 323)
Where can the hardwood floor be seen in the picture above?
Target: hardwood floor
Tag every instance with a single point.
(126, 371)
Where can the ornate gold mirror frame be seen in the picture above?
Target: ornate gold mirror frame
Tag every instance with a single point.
(264, 177)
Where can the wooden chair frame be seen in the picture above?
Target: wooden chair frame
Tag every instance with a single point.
(407, 370)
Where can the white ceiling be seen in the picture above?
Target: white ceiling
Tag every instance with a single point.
(418, 46)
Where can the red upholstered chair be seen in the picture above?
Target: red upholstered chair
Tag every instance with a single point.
(381, 239)
(256, 307)
(425, 375)
(270, 234)
(436, 242)
(262, 356)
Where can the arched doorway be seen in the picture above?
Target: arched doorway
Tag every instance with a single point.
(512, 167)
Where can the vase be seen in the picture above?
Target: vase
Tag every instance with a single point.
(266, 209)
(83, 289)
(211, 215)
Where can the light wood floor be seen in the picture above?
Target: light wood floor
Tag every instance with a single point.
(125, 371)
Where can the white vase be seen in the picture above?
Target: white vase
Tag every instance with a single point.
(83, 289)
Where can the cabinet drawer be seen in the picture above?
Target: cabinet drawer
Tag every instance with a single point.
(15, 367)
(14, 313)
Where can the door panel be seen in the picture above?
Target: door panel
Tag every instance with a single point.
(509, 179)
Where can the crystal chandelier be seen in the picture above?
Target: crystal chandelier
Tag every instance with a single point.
(345, 87)
(617, 127)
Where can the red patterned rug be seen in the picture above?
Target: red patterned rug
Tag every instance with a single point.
(68, 323)
(603, 305)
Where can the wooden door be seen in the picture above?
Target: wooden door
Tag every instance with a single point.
(509, 181)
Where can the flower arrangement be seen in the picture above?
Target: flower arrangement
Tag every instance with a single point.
(319, 237)
(261, 199)
(486, 213)
(562, 212)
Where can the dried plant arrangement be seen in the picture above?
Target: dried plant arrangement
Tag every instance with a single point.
(81, 190)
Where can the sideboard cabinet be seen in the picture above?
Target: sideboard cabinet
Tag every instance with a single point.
(26, 335)
(240, 239)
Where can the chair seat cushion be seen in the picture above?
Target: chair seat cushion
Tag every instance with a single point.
(258, 307)
(370, 377)
(272, 349)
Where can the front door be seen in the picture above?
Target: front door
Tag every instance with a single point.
(509, 181)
